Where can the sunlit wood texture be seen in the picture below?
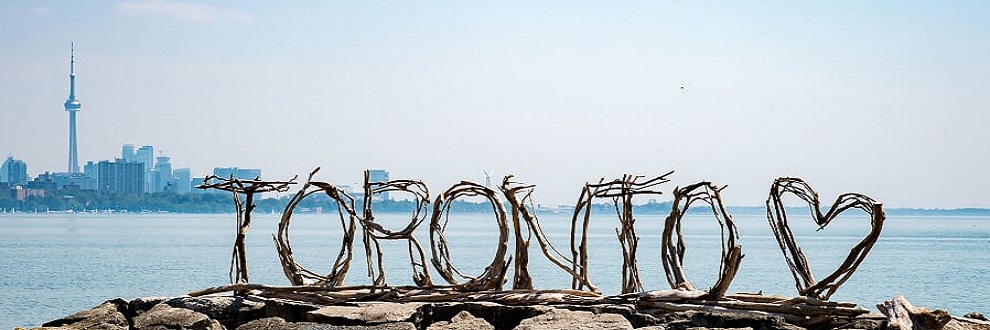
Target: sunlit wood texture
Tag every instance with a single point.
(493, 276)
(621, 191)
(373, 231)
(238, 262)
(296, 273)
(519, 197)
(796, 260)
(673, 245)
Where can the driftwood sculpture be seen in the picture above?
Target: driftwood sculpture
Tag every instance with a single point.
(796, 261)
(522, 208)
(672, 251)
(313, 287)
(296, 273)
(374, 231)
(621, 192)
(238, 262)
(494, 275)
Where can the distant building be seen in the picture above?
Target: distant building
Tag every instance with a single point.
(237, 173)
(72, 105)
(182, 177)
(44, 181)
(127, 153)
(91, 170)
(78, 181)
(21, 193)
(195, 183)
(13, 171)
(162, 173)
(121, 177)
(379, 176)
(146, 155)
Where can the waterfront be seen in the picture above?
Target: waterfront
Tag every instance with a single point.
(55, 265)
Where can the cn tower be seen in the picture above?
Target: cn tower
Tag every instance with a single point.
(72, 106)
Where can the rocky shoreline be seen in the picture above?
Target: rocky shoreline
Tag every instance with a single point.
(253, 312)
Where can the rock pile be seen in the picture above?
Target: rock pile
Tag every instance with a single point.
(259, 313)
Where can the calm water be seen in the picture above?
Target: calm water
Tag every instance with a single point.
(55, 265)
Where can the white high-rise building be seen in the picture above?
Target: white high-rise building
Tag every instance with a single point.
(146, 155)
(163, 173)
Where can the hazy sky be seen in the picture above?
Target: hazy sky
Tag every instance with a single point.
(888, 98)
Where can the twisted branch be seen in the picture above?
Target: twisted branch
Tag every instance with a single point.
(621, 191)
(494, 275)
(296, 273)
(672, 252)
(522, 207)
(374, 231)
(238, 262)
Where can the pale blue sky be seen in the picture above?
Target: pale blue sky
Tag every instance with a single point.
(888, 98)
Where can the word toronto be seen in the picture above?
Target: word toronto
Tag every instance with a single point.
(523, 224)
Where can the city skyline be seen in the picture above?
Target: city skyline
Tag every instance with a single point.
(884, 98)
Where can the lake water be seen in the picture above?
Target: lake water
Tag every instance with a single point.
(53, 265)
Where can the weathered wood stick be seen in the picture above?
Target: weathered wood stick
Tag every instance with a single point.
(904, 316)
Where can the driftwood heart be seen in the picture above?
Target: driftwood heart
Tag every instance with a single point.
(796, 260)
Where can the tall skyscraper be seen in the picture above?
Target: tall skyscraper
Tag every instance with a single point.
(146, 156)
(13, 171)
(127, 152)
(163, 173)
(120, 177)
(183, 180)
(72, 106)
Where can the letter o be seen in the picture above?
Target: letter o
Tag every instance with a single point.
(672, 251)
(494, 275)
(296, 273)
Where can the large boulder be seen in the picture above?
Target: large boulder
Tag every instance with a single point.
(559, 319)
(106, 316)
(276, 323)
(368, 313)
(462, 321)
(498, 315)
(230, 311)
(165, 317)
(720, 320)
(142, 304)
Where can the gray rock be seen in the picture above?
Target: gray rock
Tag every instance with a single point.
(143, 304)
(498, 315)
(866, 323)
(106, 316)
(165, 317)
(275, 323)
(289, 310)
(559, 319)
(230, 311)
(462, 321)
(719, 320)
(637, 318)
(367, 314)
